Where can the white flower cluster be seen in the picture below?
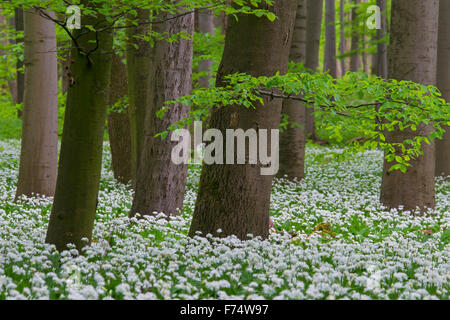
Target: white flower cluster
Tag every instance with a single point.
(373, 254)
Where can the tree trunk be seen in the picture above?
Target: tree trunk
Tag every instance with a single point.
(443, 83)
(354, 58)
(39, 152)
(330, 38)
(342, 48)
(74, 206)
(314, 10)
(4, 42)
(236, 197)
(412, 56)
(379, 66)
(292, 139)
(138, 70)
(160, 183)
(205, 25)
(119, 124)
(19, 25)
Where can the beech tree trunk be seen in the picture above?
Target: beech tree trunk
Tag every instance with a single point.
(342, 48)
(412, 56)
(39, 152)
(330, 63)
(205, 25)
(138, 70)
(443, 83)
(160, 183)
(236, 198)
(74, 206)
(4, 42)
(20, 81)
(314, 10)
(379, 60)
(292, 139)
(354, 58)
(119, 124)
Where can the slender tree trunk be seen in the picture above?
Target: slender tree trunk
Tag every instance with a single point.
(342, 48)
(314, 10)
(138, 70)
(19, 25)
(379, 65)
(443, 83)
(354, 58)
(330, 63)
(39, 152)
(412, 56)
(4, 42)
(236, 198)
(119, 124)
(292, 139)
(205, 25)
(160, 183)
(74, 206)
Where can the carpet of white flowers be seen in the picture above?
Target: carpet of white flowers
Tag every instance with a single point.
(372, 253)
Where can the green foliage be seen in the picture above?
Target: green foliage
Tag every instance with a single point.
(374, 105)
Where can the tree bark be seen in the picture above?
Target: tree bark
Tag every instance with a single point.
(342, 48)
(330, 63)
(4, 42)
(292, 139)
(205, 25)
(379, 66)
(354, 58)
(119, 124)
(19, 25)
(314, 10)
(39, 152)
(75, 202)
(236, 198)
(443, 83)
(138, 70)
(412, 56)
(160, 183)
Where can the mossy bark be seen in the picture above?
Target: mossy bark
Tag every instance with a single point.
(236, 198)
(75, 202)
(119, 124)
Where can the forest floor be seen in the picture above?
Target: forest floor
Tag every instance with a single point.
(370, 253)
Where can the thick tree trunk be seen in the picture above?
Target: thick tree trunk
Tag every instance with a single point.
(236, 197)
(74, 206)
(443, 83)
(39, 152)
(354, 58)
(314, 10)
(379, 66)
(160, 183)
(412, 56)
(292, 139)
(119, 124)
(342, 48)
(205, 25)
(138, 70)
(330, 63)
